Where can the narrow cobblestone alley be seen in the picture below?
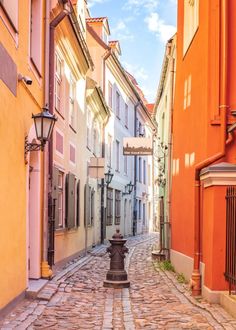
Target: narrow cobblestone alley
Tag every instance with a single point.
(76, 298)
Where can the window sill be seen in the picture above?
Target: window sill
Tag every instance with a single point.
(73, 129)
(59, 113)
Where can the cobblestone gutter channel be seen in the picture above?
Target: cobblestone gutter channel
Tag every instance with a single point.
(76, 298)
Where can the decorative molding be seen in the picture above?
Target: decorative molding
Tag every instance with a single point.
(222, 174)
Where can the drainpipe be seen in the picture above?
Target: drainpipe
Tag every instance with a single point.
(196, 276)
(135, 173)
(169, 184)
(54, 23)
(45, 270)
(103, 217)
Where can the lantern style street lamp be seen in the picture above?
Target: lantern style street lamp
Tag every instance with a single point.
(44, 123)
(128, 189)
(108, 177)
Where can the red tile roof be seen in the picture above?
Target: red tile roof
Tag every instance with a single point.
(113, 42)
(95, 19)
(150, 107)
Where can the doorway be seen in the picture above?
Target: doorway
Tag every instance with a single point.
(34, 228)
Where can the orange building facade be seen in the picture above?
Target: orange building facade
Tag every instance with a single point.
(203, 142)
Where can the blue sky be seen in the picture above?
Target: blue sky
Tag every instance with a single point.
(142, 27)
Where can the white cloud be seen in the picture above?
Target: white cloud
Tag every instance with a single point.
(91, 3)
(137, 71)
(121, 32)
(157, 25)
(137, 5)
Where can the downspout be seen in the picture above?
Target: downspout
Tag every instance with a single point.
(169, 184)
(103, 216)
(196, 276)
(54, 23)
(135, 173)
(45, 270)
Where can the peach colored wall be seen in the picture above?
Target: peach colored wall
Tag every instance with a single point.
(16, 112)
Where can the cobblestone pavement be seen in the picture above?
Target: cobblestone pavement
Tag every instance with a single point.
(76, 299)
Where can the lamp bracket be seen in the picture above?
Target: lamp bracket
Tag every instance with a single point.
(32, 147)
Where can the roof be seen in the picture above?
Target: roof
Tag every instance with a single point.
(138, 89)
(150, 107)
(95, 19)
(115, 44)
(104, 20)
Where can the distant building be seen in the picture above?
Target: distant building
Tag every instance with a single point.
(163, 112)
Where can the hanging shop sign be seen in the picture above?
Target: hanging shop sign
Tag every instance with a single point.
(137, 146)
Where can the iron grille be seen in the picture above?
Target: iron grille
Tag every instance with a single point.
(230, 264)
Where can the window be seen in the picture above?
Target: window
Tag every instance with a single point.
(117, 156)
(72, 119)
(187, 91)
(117, 206)
(58, 82)
(117, 105)
(72, 153)
(59, 143)
(92, 212)
(140, 169)
(94, 138)
(109, 220)
(109, 147)
(36, 34)
(139, 209)
(149, 174)
(88, 129)
(60, 199)
(125, 165)
(144, 172)
(191, 21)
(10, 8)
(126, 116)
(110, 94)
(144, 214)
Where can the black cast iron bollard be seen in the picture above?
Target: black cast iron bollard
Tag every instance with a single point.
(117, 276)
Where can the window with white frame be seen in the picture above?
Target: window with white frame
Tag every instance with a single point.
(117, 156)
(58, 82)
(126, 115)
(110, 91)
(140, 169)
(36, 34)
(89, 128)
(125, 165)
(11, 10)
(144, 171)
(118, 105)
(109, 150)
(94, 138)
(191, 21)
(72, 94)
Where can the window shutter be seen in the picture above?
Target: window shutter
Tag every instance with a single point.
(87, 205)
(78, 204)
(55, 175)
(70, 200)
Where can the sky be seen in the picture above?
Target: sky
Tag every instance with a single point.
(143, 28)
